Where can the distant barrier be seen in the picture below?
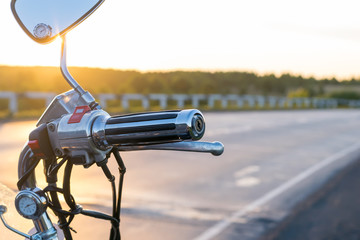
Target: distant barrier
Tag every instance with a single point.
(211, 101)
(239, 101)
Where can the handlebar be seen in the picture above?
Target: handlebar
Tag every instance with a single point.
(148, 128)
(90, 139)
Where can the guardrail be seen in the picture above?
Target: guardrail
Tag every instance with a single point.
(211, 101)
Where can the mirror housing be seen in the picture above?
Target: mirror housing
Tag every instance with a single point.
(44, 20)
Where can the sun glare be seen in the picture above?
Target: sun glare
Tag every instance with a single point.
(318, 38)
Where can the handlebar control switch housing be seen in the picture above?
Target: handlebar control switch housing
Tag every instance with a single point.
(74, 139)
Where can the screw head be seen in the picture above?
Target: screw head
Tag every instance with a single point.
(36, 237)
(51, 127)
(58, 152)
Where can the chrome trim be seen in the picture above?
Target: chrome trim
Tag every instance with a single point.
(45, 227)
(98, 132)
(76, 138)
(187, 120)
(43, 223)
(215, 148)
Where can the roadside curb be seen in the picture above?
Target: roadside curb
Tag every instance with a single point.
(310, 202)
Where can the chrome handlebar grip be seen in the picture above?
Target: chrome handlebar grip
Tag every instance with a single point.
(215, 148)
(165, 130)
(153, 128)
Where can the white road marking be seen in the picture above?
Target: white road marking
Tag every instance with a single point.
(247, 182)
(244, 180)
(225, 223)
(247, 171)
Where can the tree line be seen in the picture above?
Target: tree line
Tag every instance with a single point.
(49, 79)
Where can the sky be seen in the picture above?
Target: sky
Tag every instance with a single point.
(319, 38)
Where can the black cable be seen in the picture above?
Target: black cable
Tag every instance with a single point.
(121, 182)
(113, 224)
(98, 215)
(62, 218)
(113, 189)
(119, 160)
(122, 170)
(78, 210)
(70, 201)
(54, 169)
(114, 232)
(55, 205)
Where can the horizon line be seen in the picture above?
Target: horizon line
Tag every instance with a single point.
(258, 73)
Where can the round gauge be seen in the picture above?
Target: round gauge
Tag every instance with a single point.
(42, 31)
(27, 206)
(31, 203)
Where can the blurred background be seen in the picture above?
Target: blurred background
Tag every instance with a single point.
(279, 85)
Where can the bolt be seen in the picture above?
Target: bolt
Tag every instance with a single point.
(36, 237)
(51, 127)
(58, 152)
(198, 125)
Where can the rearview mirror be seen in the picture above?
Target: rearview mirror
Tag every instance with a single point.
(44, 20)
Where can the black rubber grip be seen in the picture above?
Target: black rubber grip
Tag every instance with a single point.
(140, 117)
(138, 129)
(136, 141)
(154, 127)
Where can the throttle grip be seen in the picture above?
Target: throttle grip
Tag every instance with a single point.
(149, 128)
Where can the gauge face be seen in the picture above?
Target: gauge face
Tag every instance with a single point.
(42, 31)
(31, 203)
(27, 206)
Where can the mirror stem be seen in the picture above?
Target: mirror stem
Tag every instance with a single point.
(65, 71)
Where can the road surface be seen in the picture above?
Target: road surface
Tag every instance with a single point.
(272, 161)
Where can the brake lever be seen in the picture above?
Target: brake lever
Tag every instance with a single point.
(215, 148)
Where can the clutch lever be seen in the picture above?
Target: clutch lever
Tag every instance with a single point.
(215, 148)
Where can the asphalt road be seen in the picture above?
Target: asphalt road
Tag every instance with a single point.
(272, 161)
(334, 214)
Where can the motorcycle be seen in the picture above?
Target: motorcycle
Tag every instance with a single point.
(75, 130)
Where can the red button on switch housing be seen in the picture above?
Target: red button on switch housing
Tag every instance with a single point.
(78, 114)
(35, 147)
